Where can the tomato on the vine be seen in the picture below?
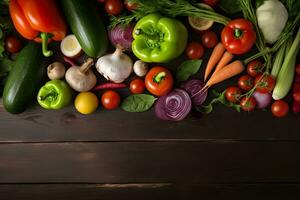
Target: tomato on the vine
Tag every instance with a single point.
(130, 6)
(264, 83)
(13, 44)
(159, 81)
(280, 108)
(296, 96)
(246, 82)
(248, 103)
(110, 99)
(194, 50)
(298, 69)
(137, 86)
(209, 39)
(114, 7)
(255, 68)
(211, 2)
(233, 94)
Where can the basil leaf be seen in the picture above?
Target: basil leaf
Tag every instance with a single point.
(138, 103)
(230, 7)
(187, 69)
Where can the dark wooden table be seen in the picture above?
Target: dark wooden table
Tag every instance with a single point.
(117, 155)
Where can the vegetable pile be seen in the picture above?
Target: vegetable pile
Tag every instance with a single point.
(127, 50)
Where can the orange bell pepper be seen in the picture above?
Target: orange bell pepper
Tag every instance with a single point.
(38, 20)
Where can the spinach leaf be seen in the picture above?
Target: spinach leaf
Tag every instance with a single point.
(138, 103)
(230, 7)
(187, 69)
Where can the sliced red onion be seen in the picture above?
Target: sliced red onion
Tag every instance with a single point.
(263, 100)
(193, 87)
(174, 106)
(121, 35)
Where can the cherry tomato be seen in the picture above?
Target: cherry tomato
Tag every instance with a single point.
(159, 81)
(264, 83)
(296, 96)
(114, 7)
(211, 2)
(255, 68)
(246, 82)
(137, 86)
(209, 39)
(194, 50)
(280, 108)
(130, 6)
(13, 44)
(233, 94)
(298, 69)
(110, 99)
(248, 103)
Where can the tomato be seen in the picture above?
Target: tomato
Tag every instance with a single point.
(13, 44)
(86, 102)
(209, 39)
(194, 50)
(110, 99)
(296, 96)
(255, 68)
(114, 7)
(238, 36)
(280, 108)
(248, 103)
(246, 82)
(159, 81)
(264, 83)
(137, 86)
(233, 94)
(298, 69)
(130, 6)
(211, 2)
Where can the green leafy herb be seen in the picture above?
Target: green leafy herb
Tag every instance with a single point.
(220, 98)
(187, 69)
(230, 7)
(138, 103)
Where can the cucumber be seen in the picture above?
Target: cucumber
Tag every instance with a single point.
(87, 26)
(25, 79)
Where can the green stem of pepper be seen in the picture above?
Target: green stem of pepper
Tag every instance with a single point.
(237, 33)
(159, 77)
(51, 96)
(153, 37)
(45, 37)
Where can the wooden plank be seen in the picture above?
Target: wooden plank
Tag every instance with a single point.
(148, 162)
(149, 191)
(37, 125)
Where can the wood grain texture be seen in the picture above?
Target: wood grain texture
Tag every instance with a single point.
(151, 162)
(36, 125)
(150, 191)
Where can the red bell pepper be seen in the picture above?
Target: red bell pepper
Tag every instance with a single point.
(238, 36)
(38, 20)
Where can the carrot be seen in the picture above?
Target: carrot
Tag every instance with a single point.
(216, 55)
(226, 58)
(226, 72)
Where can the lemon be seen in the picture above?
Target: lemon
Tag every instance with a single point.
(86, 102)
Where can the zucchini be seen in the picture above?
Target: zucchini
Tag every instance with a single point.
(87, 26)
(25, 79)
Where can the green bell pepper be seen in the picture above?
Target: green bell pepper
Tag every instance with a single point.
(158, 39)
(55, 94)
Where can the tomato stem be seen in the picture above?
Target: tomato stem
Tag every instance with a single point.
(159, 77)
(237, 33)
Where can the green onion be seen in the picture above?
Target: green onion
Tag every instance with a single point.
(287, 71)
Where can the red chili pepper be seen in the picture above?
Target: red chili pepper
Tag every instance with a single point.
(38, 20)
(238, 36)
(110, 86)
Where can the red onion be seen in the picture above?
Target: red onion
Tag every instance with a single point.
(174, 106)
(121, 35)
(263, 100)
(193, 87)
